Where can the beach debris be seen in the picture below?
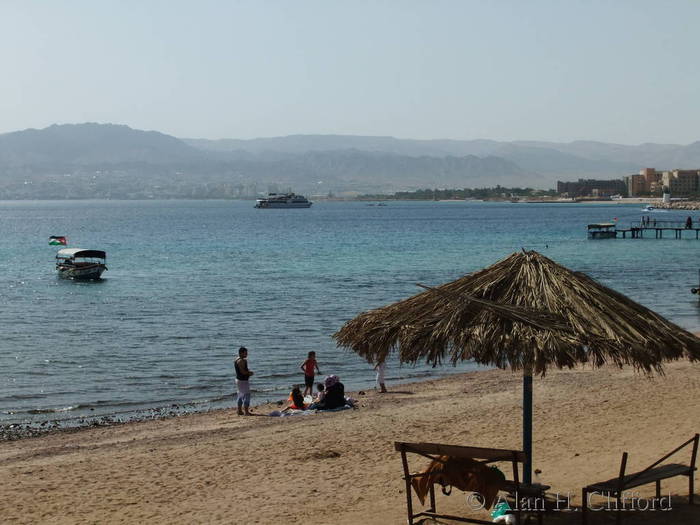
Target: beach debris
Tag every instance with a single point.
(29, 429)
(324, 454)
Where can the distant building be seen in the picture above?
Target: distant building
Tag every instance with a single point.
(592, 188)
(636, 185)
(649, 181)
(681, 183)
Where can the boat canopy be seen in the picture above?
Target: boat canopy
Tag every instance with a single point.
(69, 253)
(601, 225)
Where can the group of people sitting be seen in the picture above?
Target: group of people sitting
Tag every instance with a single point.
(330, 394)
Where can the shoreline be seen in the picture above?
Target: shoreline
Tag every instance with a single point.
(215, 465)
(24, 429)
(16, 431)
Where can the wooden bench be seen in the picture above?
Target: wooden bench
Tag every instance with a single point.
(484, 455)
(654, 473)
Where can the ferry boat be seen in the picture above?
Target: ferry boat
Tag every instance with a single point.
(602, 230)
(283, 200)
(80, 265)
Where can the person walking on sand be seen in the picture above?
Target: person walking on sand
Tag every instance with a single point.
(381, 369)
(309, 367)
(242, 384)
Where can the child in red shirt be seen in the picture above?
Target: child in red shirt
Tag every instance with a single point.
(309, 367)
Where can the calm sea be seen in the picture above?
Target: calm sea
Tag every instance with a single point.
(191, 281)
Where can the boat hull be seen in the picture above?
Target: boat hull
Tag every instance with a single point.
(602, 235)
(282, 205)
(92, 272)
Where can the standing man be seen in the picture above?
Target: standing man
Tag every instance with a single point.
(242, 384)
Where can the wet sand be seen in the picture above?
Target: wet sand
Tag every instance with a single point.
(341, 468)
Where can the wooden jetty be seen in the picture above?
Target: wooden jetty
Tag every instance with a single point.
(637, 230)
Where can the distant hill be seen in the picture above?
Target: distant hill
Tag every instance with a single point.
(89, 144)
(552, 160)
(115, 161)
(353, 169)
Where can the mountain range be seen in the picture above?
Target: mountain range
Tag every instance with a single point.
(115, 161)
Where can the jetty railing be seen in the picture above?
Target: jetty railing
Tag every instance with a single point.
(658, 226)
(657, 223)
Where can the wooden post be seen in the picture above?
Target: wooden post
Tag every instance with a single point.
(621, 488)
(407, 477)
(691, 475)
(527, 424)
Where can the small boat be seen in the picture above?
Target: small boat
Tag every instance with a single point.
(602, 230)
(283, 200)
(654, 209)
(80, 265)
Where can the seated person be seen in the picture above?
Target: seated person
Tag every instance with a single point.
(319, 396)
(321, 392)
(334, 394)
(296, 400)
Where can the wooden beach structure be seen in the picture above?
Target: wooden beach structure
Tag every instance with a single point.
(526, 313)
(636, 230)
(478, 458)
(654, 473)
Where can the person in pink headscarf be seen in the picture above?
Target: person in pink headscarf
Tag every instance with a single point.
(334, 394)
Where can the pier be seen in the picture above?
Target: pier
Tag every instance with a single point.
(658, 227)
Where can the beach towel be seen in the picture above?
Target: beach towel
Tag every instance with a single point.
(465, 474)
(277, 413)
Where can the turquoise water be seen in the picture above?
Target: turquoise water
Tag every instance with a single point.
(191, 281)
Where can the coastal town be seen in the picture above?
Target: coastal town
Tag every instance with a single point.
(678, 188)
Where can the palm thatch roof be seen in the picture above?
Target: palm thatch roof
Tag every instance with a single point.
(524, 312)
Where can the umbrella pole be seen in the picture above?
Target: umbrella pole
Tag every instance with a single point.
(527, 424)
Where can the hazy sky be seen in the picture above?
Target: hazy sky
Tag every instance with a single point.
(616, 71)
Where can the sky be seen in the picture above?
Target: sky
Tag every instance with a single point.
(624, 71)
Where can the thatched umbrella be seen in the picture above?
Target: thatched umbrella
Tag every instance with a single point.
(527, 313)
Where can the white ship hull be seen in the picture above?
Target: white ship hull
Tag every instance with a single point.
(283, 205)
(288, 200)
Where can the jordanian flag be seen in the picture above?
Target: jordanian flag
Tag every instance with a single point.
(57, 241)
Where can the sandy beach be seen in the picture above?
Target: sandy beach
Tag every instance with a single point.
(341, 467)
